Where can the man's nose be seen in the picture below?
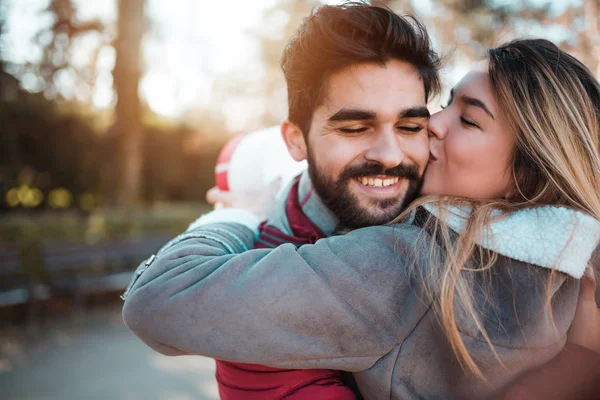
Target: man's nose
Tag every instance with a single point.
(385, 149)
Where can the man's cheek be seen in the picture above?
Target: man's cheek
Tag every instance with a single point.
(421, 158)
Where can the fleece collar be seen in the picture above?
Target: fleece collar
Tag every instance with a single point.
(312, 207)
(550, 237)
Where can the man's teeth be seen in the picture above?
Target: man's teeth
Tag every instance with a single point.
(378, 182)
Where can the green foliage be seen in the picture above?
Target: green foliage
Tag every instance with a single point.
(58, 153)
(61, 155)
(44, 148)
(179, 163)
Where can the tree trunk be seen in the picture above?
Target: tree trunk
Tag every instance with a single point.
(125, 152)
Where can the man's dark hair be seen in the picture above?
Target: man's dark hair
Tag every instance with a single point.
(335, 37)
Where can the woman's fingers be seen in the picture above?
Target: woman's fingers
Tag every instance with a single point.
(588, 285)
(218, 198)
(257, 201)
(585, 329)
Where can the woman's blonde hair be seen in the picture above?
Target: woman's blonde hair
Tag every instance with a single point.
(552, 104)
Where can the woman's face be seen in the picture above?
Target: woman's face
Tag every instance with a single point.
(471, 146)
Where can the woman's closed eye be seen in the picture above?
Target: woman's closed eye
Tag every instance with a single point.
(469, 122)
(466, 121)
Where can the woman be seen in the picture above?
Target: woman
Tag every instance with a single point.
(476, 285)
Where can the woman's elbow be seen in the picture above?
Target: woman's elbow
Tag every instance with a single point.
(137, 317)
(131, 314)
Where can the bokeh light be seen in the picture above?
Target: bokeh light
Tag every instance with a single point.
(60, 198)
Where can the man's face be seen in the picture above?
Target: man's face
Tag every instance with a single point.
(368, 146)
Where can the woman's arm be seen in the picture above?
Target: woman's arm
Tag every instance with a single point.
(341, 303)
(585, 329)
(575, 372)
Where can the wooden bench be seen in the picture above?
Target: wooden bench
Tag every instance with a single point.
(14, 287)
(80, 269)
(17, 285)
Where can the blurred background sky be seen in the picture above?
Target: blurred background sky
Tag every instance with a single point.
(206, 55)
(112, 114)
(192, 49)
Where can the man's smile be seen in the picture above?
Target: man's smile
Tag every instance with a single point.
(378, 181)
(381, 185)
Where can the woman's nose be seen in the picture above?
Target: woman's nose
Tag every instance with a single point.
(437, 127)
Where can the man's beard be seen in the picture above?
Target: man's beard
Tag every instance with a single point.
(336, 194)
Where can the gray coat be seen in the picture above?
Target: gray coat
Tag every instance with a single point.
(357, 302)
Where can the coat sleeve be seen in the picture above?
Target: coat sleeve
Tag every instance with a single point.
(341, 304)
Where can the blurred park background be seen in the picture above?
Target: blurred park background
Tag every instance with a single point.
(112, 113)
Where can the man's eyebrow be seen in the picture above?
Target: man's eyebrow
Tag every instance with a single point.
(414, 112)
(346, 114)
(472, 101)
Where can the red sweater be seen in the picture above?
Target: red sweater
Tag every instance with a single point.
(239, 381)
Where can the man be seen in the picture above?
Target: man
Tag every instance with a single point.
(358, 80)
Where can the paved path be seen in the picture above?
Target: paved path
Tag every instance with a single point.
(95, 357)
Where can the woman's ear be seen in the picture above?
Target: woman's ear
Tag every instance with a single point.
(511, 188)
(294, 140)
(510, 191)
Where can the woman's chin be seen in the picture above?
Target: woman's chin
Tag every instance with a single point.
(435, 184)
(429, 188)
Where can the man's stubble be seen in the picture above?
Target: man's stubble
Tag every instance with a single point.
(336, 194)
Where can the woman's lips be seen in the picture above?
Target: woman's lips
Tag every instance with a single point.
(432, 157)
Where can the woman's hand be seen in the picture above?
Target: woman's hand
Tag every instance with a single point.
(585, 329)
(258, 201)
(574, 373)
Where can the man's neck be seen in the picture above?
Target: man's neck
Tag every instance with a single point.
(313, 207)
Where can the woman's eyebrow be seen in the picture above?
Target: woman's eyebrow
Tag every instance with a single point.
(472, 101)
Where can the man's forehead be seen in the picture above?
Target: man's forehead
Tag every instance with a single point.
(365, 75)
(372, 86)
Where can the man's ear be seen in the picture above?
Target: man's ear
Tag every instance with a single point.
(294, 140)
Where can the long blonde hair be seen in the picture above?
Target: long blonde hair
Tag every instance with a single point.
(552, 104)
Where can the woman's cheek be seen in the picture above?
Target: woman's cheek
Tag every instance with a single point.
(465, 151)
